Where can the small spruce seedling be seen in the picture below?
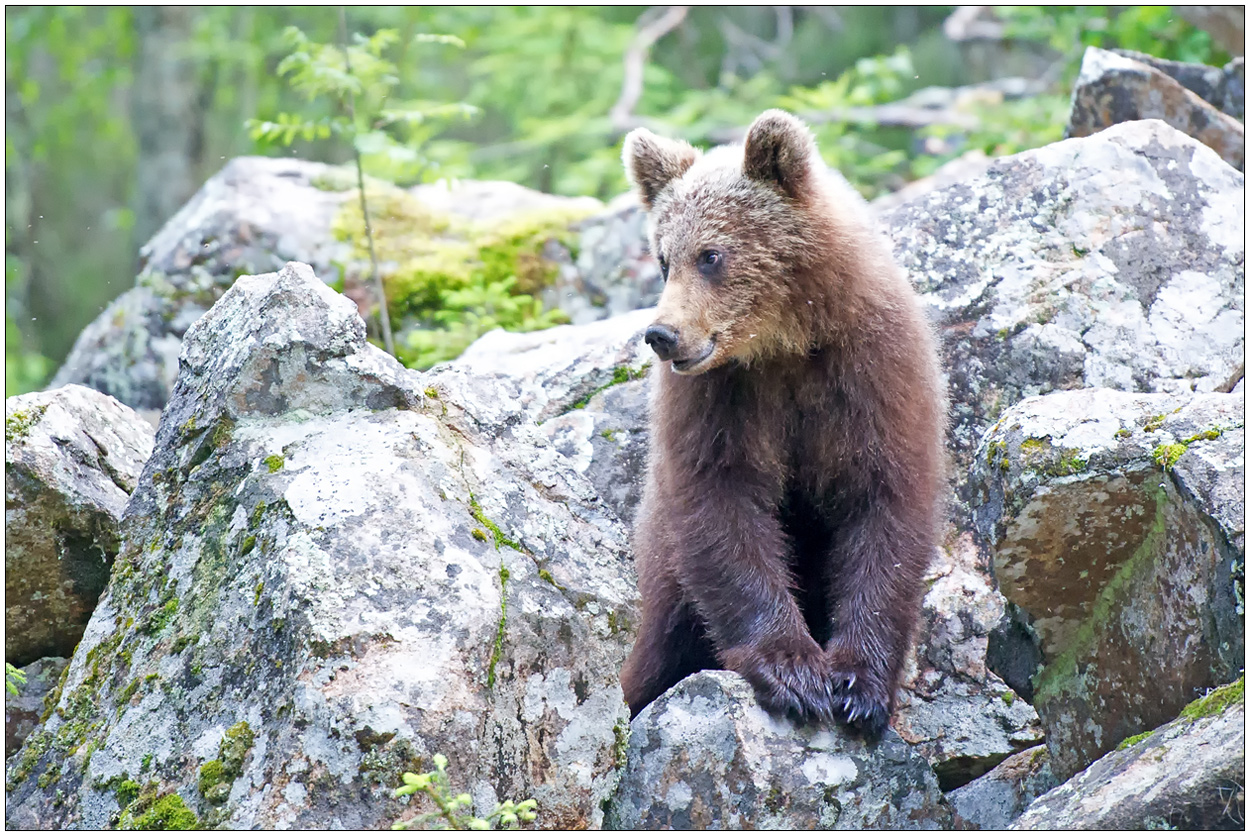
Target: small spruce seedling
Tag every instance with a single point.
(360, 82)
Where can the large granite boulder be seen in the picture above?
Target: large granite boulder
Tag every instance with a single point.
(1115, 87)
(1130, 569)
(330, 573)
(1115, 260)
(706, 756)
(72, 457)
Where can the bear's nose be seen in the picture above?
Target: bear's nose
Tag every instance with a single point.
(662, 339)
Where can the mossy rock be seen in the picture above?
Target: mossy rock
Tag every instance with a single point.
(448, 280)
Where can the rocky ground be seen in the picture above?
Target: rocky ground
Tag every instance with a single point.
(324, 568)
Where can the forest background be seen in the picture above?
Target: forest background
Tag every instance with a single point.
(115, 116)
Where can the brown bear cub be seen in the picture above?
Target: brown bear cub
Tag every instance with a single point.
(794, 483)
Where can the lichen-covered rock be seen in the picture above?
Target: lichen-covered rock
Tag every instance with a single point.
(585, 388)
(1114, 88)
(705, 755)
(997, 798)
(1133, 584)
(23, 710)
(955, 711)
(1188, 775)
(72, 457)
(1115, 260)
(539, 376)
(329, 574)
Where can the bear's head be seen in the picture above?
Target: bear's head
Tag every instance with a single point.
(735, 231)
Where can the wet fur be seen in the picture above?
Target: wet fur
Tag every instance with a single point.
(792, 501)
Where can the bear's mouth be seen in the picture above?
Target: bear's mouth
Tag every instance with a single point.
(684, 366)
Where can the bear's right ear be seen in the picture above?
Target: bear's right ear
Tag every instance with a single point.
(652, 162)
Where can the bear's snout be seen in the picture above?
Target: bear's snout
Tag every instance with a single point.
(663, 340)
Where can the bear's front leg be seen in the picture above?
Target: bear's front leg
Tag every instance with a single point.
(878, 564)
(730, 562)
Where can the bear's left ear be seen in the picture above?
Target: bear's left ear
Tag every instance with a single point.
(780, 150)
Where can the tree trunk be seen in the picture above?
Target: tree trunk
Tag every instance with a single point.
(168, 117)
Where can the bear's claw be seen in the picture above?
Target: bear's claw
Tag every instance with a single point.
(859, 710)
(803, 684)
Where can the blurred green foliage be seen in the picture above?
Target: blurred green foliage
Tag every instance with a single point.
(1154, 30)
(544, 80)
(387, 131)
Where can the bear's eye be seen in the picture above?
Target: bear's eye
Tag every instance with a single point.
(664, 268)
(710, 262)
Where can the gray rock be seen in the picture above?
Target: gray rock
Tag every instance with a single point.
(705, 755)
(1116, 260)
(1216, 85)
(252, 217)
(1114, 87)
(72, 457)
(1117, 562)
(961, 716)
(324, 546)
(613, 272)
(22, 712)
(586, 389)
(997, 798)
(538, 376)
(1187, 775)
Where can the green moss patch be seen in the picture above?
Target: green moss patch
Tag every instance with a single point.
(217, 776)
(621, 374)
(620, 744)
(1129, 741)
(1166, 455)
(164, 812)
(17, 424)
(274, 463)
(1041, 457)
(500, 538)
(453, 279)
(1218, 701)
(497, 651)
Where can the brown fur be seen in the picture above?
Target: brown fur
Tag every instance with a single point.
(792, 500)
